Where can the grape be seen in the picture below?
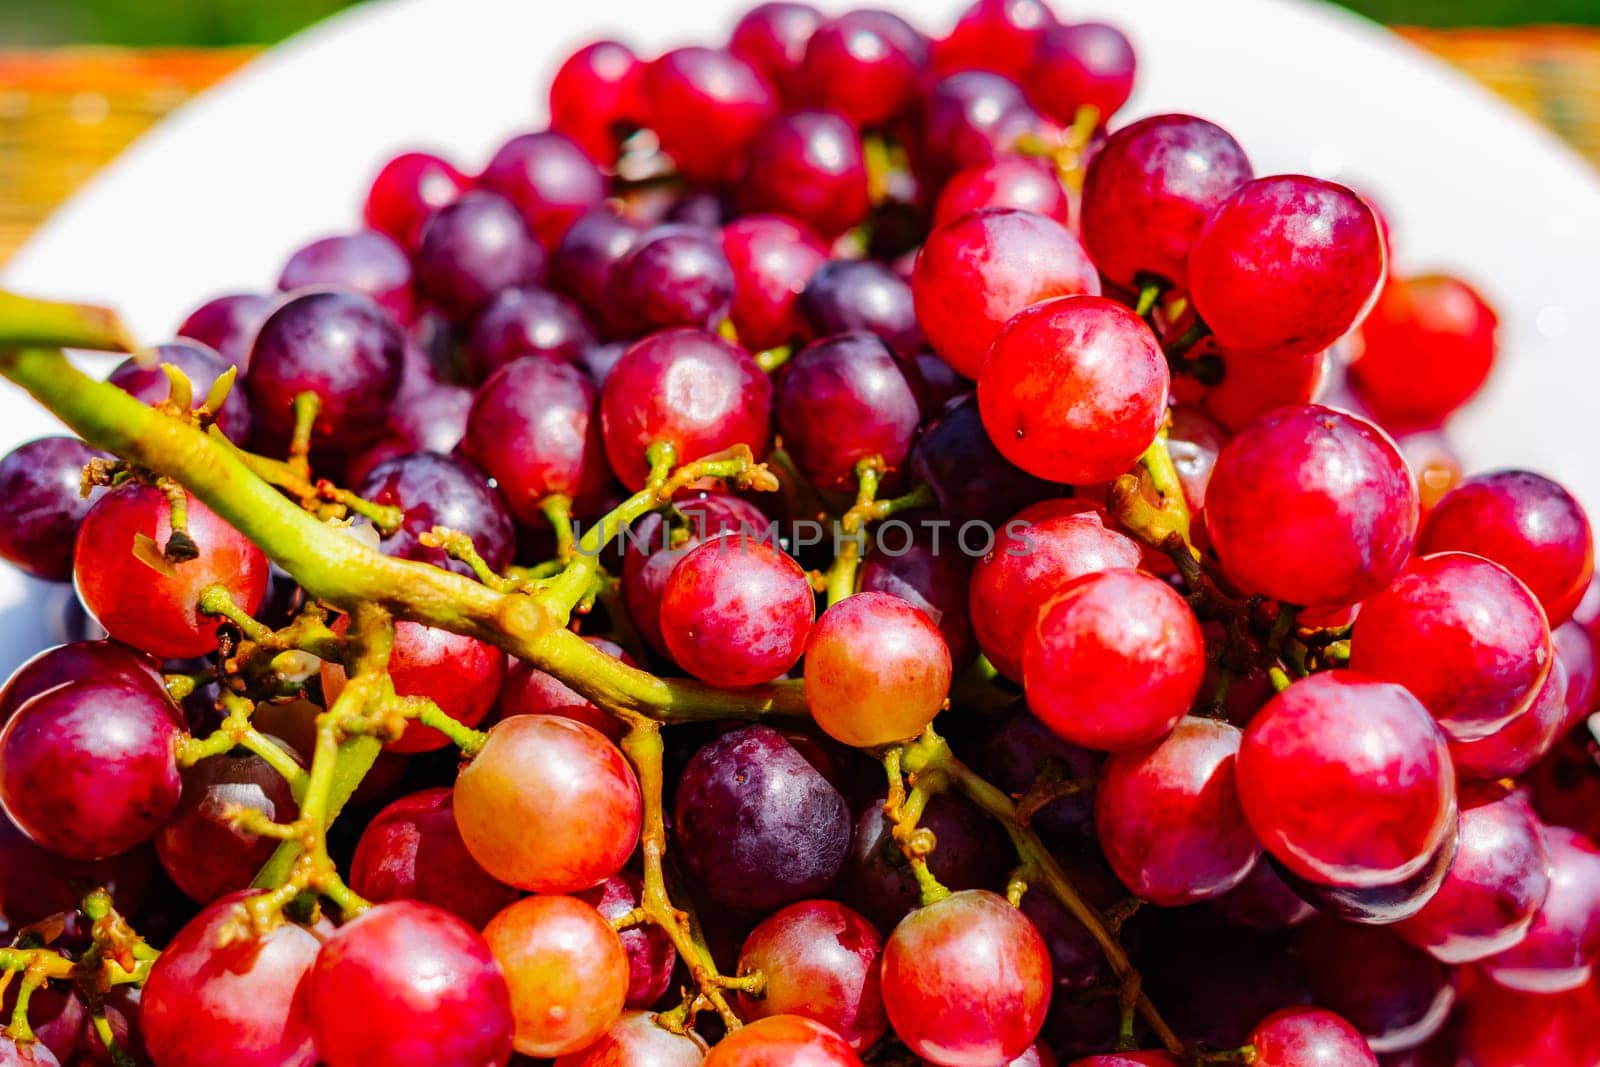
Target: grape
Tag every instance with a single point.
(861, 294)
(1496, 886)
(772, 38)
(431, 418)
(998, 35)
(1525, 522)
(808, 165)
(864, 64)
(877, 670)
(1074, 389)
(36, 883)
(1019, 751)
(572, 832)
(1301, 1037)
(675, 275)
(972, 117)
(1169, 816)
(407, 982)
(143, 379)
(1522, 742)
(201, 851)
(1263, 902)
(637, 1039)
(1463, 635)
(526, 321)
(1254, 385)
(1347, 781)
(966, 980)
(1077, 963)
(1128, 1059)
(1312, 506)
(1149, 189)
(1500, 1028)
(820, 960)
(366, 262)
(1017, 182)
(1397, 996)
(651, 956)
(773, 259)
(587, 256)
(1559, 951)
(841, 400)
(240, 1000)
(878, 880)
(736, 611)
(408, 189)
(1085, 64)
(472, 248)
(567, 971)
(782, 1041)
(549, 179)
(20, 1054)
(530, 691)
(434, 490)
(1045, 547)
(1286, 266)
(1426, 349)
(1385, 904)
(970, 478)
(55, 1014)
(1577, 652)
(685, 388)
(706, 106)
(122, 1008)
(340, 346)
(758, 826)
(935, 583)
(594, 98)
(227, 324)
(1114, 661)
(412, 850)
(41, 482)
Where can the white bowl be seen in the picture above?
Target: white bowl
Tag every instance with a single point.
(218, 195)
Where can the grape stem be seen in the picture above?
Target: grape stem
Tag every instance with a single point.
(904, 809)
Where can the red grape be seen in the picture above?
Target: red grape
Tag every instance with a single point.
(1019, 182)
(594, 97)
(1085, 64)
(782, 1041)
(638, 1040)
(877, 670)
(439, 490)
(228, 324)
(1396, 995)
(36, 883)
(409, 188)
(15, 1053)
(1254, 385)
(104, 661)
(1128, 1059)
(1559, 951)
(549, 179)
(864, 64)
(1426, 349)
(651, 955)
(367, 262)
(1501, 1028)
(471, 249)
(841, 400)
(773, 259)
(935, 583)
(200, 849)
(1309, 1037)
(820, 960)
(1520, 743)
(1263, 901)
(526, 321)
(972, 116)
(675, 275)
(705, 105)
(143, 379)
(808, 165)
(55, 1014)
(587, 257)
(998, 35)
(530, 691)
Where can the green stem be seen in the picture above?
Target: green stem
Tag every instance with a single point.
(29, 323)
(853, 525)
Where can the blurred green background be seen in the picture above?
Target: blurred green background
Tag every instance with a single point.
(222, 22)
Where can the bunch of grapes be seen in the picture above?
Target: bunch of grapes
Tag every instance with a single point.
(838, 550)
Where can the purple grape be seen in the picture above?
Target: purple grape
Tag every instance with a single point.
(143, 379)
(199, 848)
(366, 262)
(1396, 995)
(933, 582)
(1019, 751)
(549, 179)
(878, 881)
(975, 116)
(421, 419)
(1263, 902)
(862, 294)
(676, 275)
(587, 257)
(55, 1014)
(651, 956)
(41, 483)
(438, 490)
(228, 324)
(772, 38)
(525, 321)
(808, 165)
(473, 248)
(841, 400)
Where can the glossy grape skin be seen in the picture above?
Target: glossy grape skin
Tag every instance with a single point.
(1169, 818)
(577, 829)
(530, 691)
(1371, 745)
(408, 983)
(1114, 660)
(1017, 182)
(367, 262)
(1515, 747)
(434, 490)
(861, 294)
(1309, 1037)
(878, 881)
(1525, 522)
(841, 400)
(471, 249)
(877, 670)
(978, 271)
(243, 1002)
(142, 378)
(638, 1040)
(821, 962)
(675, 275)
(966, 980)
(594, 95)
(758, 826)
(686, 388)
(40, 482)
(772, 38)
(1312, 506)
(1577, 652)
(864, 64)
(587, 256)
(412, 850)
(808, 165)
(1494, 889)
(773, 259)
(782, 1041)
(1286, 266)
(526, 321)
(339, 345)
(1559, 951)
(88, 769)
(935, 583)
(1074, 389)
(533, 428)
(1263, 901)
(1128, 1059)
(1425, 350)
(1497, 1027)
(567, 971)
(967, 473)
(1385, 904)
(1396, 995)
(1149, 189)
(1254, 385)
(972, 116)
(550, 180)
(706, 106)
(736, 611)
(408, 189)
(998, 35)
(1463, 635)
(651, 955)
(228, 324)
(1086, 64)
(198, 846)
(1017, 751)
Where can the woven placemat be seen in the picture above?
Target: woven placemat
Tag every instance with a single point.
(65, 113)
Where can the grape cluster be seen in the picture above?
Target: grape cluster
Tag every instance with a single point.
(838, 550)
